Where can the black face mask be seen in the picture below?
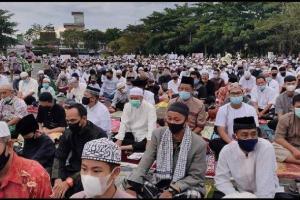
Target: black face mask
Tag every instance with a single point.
(283, 73)
(108, 77)
(174, 78)
(119, 76)
(175, 128)
(46, 108)
(85, 100)
(274, 74)
(3, 159)
(75, 128)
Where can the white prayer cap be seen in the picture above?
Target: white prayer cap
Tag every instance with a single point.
(136, 91)
(4, 130)
(238, 195)
(120, 85)
(46, 80)
(191, 70)
(118, 72)
(247, 73)
(41, 72)
(204, 72)
(23, 74)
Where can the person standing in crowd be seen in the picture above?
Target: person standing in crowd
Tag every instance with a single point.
(100, 183)
(20, 177)
(51, 117)
(287, 135)
(249, 160)
(226, 115)
(37, 146)
(28, 89)
(46, 87)
(109, 85)
(197, 115)
(173, 85)
(138, 121)
(263, 97)
(121, 97)
(180, 156)
(97, 112)
(217, 80)
(12, 108)
(67, 160)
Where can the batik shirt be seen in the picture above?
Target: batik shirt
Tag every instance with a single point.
(16, 107)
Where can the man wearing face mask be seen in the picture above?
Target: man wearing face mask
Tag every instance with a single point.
(97, 112)
(12, 108)
(20, 177)
(28, 89)
(277, 77)
(179, 153)
(173, 85)
(75, 89)
(197, 115)
(138, 120)
(67, 160)
(247, 82)
(99, 170)
(271, 82)
(225, 117)
(217, 80)
(287, 135)
(37, 146)
(109, 85)
(263, 97)
(51, 116)
(46, 87)
(119, 76)
(121, 97)
(249, 160)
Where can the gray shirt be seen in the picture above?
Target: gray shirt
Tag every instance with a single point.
(284, 103)
(195, 166)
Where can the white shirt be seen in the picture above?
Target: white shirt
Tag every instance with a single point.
(3, 80)
(255, 173)
(247, 84)
(173, 86)
(226, 114)
(268, 96)
(77, 93)
(49, 89)
(280, 80)
(275, 86)
(31, 86)
(224, 76)
(99, 115)
(140, 121)
(121, 80)
(149, 97)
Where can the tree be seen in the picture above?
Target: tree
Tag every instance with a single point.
(92, 38)
(7, 29)
(33, 33)
(72, 37)
(112, 34)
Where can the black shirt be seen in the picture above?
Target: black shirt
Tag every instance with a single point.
(52, 118)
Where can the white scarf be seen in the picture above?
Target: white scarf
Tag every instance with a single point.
(164, 162)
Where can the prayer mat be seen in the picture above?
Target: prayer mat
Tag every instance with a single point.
(288, 170)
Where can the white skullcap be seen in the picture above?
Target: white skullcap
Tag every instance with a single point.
(46, 80)
(238, 195)
(120, 85)
(41, 72)
(191, 69)
(203, 72)
(140, 68)
(23, 74)
(4, 130)
(118, 72)
(136, 91)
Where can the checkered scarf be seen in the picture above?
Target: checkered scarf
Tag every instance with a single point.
(164, 169)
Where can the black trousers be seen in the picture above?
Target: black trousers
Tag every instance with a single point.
(137, 146)
(216, 145)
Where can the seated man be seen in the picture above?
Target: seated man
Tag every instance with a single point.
(179, 153)
(287, 135)
(263, 97)
(197, 115)
(100, 183)
(247, 82)
(51, 116)
(28, 89)
(20, 177)
(137, 123)
(226, 114)
(97, 112)
(67, 160)
(249, 160)
(109, 85)
(37, 146)
(46, 87)
(75, 89)
(120, 97)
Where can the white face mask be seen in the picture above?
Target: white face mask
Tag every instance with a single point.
(291, 88)
(95, 186)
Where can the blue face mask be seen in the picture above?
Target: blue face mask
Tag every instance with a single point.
(248, 145)
(196, 81)
(236, 100)
(297, 112)
(262, 87)
(46, 85)
(184, 95)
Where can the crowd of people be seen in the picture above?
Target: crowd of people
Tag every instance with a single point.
(70, 150)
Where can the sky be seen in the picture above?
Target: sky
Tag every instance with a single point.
(97, 15)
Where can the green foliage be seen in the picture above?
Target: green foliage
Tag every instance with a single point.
(92, 38)
(72, 37)
(7, 29)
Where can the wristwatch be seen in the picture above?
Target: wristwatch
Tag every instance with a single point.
(70, 182)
